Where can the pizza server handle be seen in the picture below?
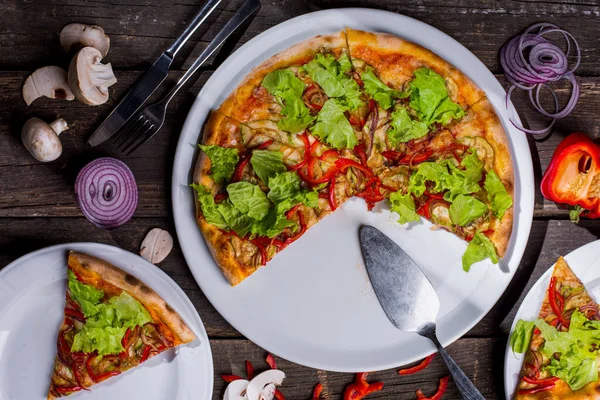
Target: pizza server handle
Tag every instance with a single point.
(467, 389)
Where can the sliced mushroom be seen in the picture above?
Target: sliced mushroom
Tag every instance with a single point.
(41, 139)
(236, 390)
(89, 78)
(157, 245)
(50, 81)
(258, 385)
(76, 36)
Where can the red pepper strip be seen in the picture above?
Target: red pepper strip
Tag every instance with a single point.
(488, 232)
(249, 370)
(360, 387)
(536, 389)
(317, 391)
(79, 278)
(106, 375)
(359, 151)
(332, 201)
(89, 368)
(78, 315)
(302, 230)
(437, 196)
(230, 378)
(278, 395)
(68, 389)
(125, 340)
(220, 197)
(392, 155)
(442, 386)
(312, 163)
(329, 153)
(331, 172)
(68, 321)
(536, 331)
(354, 121)
(264, 145)
(552, 295)
(297, 166)
(413, 159)
(542, 382)
(271, 361)
(263, 251)
(359, 81)
(77, 374)
(146, 353)
(344, 163)
(239, 168)
(372, 105)
(421, 366)
(314, 106)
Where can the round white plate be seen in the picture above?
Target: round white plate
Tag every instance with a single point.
(32, 298)
(313, 304)
(585, 263)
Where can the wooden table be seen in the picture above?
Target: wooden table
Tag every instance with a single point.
(37, 204)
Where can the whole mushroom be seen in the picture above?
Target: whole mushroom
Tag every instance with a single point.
(41, 139)
(50, 81)
(89, 78)
(75, 36)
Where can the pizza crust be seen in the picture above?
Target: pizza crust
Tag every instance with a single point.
(95, 269)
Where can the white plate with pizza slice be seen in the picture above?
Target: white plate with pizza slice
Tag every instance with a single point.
(585, 263)
(313, 303)
(32, 299)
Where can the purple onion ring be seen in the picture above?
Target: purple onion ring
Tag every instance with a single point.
(106, 192)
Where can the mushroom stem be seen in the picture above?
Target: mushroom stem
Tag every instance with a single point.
(59, 126)
(102, 76)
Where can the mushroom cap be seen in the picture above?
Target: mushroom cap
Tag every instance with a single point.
(41, 140)
(89, 78)
(76, 35)
(260, 381)
(50, 81)
(235, 389)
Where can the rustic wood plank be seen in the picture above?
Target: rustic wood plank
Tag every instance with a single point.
(140, 30)
(485, 370)
(48, 188)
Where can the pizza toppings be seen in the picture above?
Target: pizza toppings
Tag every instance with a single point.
(361, 388)
(419, 367)
(380, 92)
(223, 161)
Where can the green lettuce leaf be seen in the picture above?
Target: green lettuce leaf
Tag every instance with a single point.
(345, 63)
(208, 207)
(129, 311)
(105, 340)
(333, 127)
(272, 225)
(288, 88)
(521, 336)
(379, 91)
(403, 128)
(480, 248)
(464, 180)
(267, 163)
(404, 205)
(430, 100)
(249, 199)
(222, 161)
(285, 192)
(85, 295)
(330, 75)
(465, 209)
(235, 220)
(500, 200)
(436, 173)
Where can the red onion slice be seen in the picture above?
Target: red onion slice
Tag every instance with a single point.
(530, 61)
(106, 192)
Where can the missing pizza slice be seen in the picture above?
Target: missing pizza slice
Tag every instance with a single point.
(562, 346)
(112, 322)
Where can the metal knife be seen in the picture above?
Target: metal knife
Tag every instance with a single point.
(407, 297)
(146, 85)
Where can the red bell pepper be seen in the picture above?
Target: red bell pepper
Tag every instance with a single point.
(419, 367)
(249, 370)
(536, 389)
(542, 382)
(278, 395)
(271, 361)
(573, 176)
(557, 302)
(442, 386)
(317, 391)
(331, 198)
(78, 315)
(360, 387)
(230, 378)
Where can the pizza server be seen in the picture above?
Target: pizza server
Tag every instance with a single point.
(407, 297)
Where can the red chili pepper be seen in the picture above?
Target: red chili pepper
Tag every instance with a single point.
(239, 168)
(317, 391)
(230, 378)
(249, 370)
(536, 389)
(264, 145)
(359, 151)
(360, 387)
(278, 395)
(271, 361)
(344, 163)
(146, 353)
(553, 295)
(78, 315)
(329, 153)
(68, 389)
(421, 366)
(574, 166)
(542, 382)
(332, 201)
(442, 386)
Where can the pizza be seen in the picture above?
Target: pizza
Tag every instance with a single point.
(562, 346)
(112, 322)
(351, 114)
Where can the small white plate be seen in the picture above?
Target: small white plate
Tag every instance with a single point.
(585, 263)
(32, 297)
(313, 304)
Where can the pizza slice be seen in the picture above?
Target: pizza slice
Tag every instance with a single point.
(112, 322)
(562, 346)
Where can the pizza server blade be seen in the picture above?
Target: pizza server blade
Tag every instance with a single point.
(407, 297)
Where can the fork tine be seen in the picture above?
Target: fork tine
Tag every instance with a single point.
(133, 134)
(125, 130)
(139, 138)
(149, 134)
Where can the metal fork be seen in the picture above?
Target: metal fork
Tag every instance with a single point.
(147, 122)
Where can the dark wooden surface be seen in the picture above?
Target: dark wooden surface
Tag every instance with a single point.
(37, 206)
